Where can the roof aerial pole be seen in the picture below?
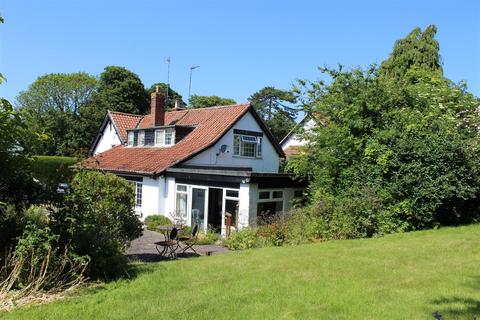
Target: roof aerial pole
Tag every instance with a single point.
(190, 83)
(168, 79)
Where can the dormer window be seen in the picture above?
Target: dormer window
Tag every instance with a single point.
(130, 138)
(165, 137)
(141, 138)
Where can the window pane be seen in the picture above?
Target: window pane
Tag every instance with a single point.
(298, 193)
(264, 195)
(277, 194)
(181, 205)
(138, 197)
(248, 149)
(236, 145)
(169, 136)
(141, 138)
(231, 206)
(130, 138)
(232, 193)
(159, 137)
(181, 188)
(249, 139)
(267, 209)
(259, 147)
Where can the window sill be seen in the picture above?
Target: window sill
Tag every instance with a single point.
(243, 157)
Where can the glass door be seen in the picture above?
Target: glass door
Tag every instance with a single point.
(198, 205)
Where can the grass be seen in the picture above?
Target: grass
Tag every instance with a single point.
(404, 276)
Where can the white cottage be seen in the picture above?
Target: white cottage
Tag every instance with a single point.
(197, 164)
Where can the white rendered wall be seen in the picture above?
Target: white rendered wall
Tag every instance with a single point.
(268, 163)
(295, 139)
(108, 140)
(152, 196)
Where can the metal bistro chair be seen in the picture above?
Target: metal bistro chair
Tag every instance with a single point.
(170, 245)
(191, 240)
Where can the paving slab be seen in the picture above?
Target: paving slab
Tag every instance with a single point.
(143, 248)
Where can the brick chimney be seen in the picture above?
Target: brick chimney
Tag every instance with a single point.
(157, 108)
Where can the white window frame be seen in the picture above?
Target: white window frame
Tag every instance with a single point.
(141, 138)
(271, 198)
(137, 185)
(130, 138)
(257, 148)
(187, 193)
(163, 134)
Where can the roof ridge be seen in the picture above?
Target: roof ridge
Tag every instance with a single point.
(214, 107)
(127, 114)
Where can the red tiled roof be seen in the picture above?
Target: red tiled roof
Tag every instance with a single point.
(292, 151)
(210, 125)
(123, 121)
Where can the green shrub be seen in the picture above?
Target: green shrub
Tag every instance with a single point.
(153, 221)
(245, 239)
(98, 220)
(209, 237)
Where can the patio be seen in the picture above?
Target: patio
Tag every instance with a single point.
(143, 248)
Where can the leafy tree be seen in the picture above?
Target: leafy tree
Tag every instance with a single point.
(17, 185)
(52, 105)
(400, 151)
(418, 50)
(196, 101)
(122, 90)
(275, 107)
(172, 94)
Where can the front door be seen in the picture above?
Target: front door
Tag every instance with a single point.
(198, 212)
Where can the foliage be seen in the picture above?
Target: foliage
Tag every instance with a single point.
(16, 182)
(52, 105)
(397, 154)
(153, 221)
(52, 170)
(275, 106)
(196, 101)
(98, 220)
(245, 239)
(209, 237)
(418, 50)
(172, 94)
(122, 90)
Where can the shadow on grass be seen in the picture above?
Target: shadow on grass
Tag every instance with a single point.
(458, 307)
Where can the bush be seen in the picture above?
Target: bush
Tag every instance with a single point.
(153, 221)
(209, 237)
(98, 220)
(245, 239)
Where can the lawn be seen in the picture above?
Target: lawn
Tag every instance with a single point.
(404, 276)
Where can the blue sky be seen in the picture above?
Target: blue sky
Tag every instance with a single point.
(241, 46)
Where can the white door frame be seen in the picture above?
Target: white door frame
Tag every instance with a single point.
(189, 205)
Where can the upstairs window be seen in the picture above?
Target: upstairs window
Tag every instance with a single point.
(131, 137)
(247, 146)
(165, 137)
(141, 138)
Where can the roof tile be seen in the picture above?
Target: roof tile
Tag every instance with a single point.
(210, 125)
